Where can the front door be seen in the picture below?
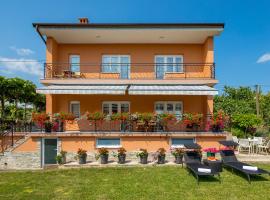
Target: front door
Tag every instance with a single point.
(50, 151)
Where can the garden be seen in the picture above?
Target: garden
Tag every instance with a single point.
(166, 182)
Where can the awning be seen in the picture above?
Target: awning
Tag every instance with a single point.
(171, 90)
(83, 89)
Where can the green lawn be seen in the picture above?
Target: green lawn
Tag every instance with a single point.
(129, 183)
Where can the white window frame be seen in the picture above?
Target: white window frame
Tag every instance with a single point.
(174, 62)
(109, 146)
(70, 61)
(115, 102)
(165, 105)
(75, 102)
(118, 62)
(180, 146)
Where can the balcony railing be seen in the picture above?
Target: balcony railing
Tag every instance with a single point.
(134, 71)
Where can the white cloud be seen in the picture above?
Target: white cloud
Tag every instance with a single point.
(264, 58)
(14, 65)
(22, 51)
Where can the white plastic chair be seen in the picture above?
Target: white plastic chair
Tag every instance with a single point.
(256, 142)
(235, 139)
(264, 147)
(244, 145)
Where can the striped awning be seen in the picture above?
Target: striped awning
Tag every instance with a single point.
(83, 89)
(171, 90)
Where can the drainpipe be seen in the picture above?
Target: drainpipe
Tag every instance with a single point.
(37, 29)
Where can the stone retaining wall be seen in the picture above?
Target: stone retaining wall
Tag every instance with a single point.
(21, 160)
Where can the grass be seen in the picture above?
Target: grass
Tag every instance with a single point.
(131, 183)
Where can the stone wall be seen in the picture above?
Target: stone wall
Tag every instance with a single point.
(21, 160)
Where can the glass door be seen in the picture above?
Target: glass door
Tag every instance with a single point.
(168, 64)
(124, 71)
(116, 64)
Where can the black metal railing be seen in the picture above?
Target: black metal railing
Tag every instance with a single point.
(144, 71)
(11, 131)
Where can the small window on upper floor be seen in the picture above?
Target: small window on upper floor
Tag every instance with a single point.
(74, 61)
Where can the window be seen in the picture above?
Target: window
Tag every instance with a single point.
(108, 142)
(75, 108)
(116, 64)
(179, 142)
(115, 107)
(74, 61)
(171, 107)
(168, 64)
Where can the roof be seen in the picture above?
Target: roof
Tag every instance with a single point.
(130, 25)
(126, 33)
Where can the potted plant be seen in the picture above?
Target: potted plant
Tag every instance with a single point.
(218, 121)
(161, 154)
(124, 118)
(211, 153)
(192, 121)
(48, 126)
(143, 155)
(121, 155)
(82, 155)
(61, 117)
(95, 117)
(103, 154)
(165, 119)
(39, 119)
(61, 158)
(178, 155)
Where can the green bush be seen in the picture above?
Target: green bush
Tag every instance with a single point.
(246, 122)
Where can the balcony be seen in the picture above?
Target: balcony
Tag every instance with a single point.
(130, 71)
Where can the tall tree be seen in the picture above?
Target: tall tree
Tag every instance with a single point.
(3, 94)
(236, 100)
(28, 94)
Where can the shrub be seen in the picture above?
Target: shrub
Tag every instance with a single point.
(81, 152)
(142, 152)
(247, 122)
(177, 151)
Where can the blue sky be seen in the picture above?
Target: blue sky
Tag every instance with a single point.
(244, 42)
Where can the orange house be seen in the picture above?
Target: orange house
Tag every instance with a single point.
(114, 68)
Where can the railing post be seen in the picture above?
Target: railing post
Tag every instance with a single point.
(12, 134)
(213, 71)
(44, 70)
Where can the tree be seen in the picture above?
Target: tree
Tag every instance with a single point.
(246, 122)
(265, 108)
(28, 94)
(236, 100)
(3, 94)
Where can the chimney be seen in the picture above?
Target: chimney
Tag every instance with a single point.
(83, 20)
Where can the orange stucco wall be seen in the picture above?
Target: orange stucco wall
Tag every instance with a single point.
(30, 145)
(130, 143)
(138, 103)
(91, 56)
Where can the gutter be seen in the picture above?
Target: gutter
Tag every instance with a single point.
(37, 29)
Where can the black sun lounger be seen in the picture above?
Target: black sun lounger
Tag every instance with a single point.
(193, 163)
(229, 160)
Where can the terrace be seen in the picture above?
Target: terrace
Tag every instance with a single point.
(130, 71)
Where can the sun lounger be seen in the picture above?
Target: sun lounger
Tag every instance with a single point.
(229, 160)
(194, 165)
